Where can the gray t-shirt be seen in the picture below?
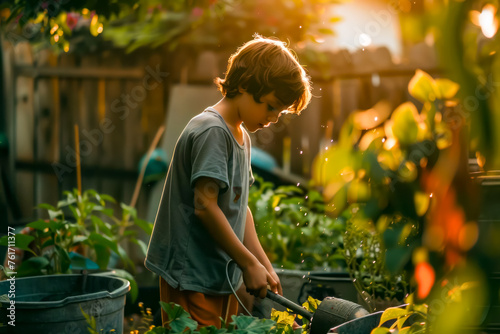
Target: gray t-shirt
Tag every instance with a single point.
(181, 250)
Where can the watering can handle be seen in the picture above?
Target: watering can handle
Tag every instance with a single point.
(289, 304)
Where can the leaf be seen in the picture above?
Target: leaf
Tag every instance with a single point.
(144, 225)
(159, 330)
(311, 304)
(446, 89)
(64, 260)
(108, 212)
(373, 117)
(22, 241)
(349, 133)
(129, 210)
(178, 318)
(252, 325)
(69, 200)
(422, 201)
(104, 241)
(141, 244)
(108, 198)
(40, 225)
(404, 126)
(391, 314)
(102, 256)
(74, 211)
(380, 330)
(211, 330)
(242, 322)
(134, 289)
(33, 266)
(47, 243)
(422, 87)
(282, 317)
(422, 308)
(46, 207)
(55, 214)
(401, 321)
(106, 228)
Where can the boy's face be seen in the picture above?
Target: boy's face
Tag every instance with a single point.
(256, 115)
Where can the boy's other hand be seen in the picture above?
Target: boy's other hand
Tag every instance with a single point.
(257, 278)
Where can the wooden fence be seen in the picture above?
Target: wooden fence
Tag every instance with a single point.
(119, 101)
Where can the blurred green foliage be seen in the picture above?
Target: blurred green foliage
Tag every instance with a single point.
(293, 227)
(373, 178)
(200, 24)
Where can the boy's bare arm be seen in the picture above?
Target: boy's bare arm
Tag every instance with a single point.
(255, 275)
(251, 241)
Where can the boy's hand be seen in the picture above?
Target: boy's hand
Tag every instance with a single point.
(257, 278)
(279, 289)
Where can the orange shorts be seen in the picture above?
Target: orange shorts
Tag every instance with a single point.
(205, 309)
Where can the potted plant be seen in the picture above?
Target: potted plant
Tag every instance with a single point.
(82, 231)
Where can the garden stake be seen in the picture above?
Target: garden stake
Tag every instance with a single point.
(78, 168)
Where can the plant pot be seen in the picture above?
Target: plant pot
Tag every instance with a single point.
(362, 325)
(320, 285)
(53, 304)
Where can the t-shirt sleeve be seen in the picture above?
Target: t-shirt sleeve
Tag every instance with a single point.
(210, 156)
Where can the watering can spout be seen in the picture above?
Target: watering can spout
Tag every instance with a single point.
(333, 312)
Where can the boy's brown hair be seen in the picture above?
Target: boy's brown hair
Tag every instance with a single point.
(265, 65)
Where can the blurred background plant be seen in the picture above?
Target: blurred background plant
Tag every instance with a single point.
(373, 177)
(294, 229)
(82, 233)
(132, 24)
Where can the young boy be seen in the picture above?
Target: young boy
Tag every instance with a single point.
(203, 220)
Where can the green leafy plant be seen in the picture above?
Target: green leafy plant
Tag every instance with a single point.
(365, 258)
(80, 228)
(409, 320)
(376, 177)
(293, 227)
(145, 323)
(179, 321)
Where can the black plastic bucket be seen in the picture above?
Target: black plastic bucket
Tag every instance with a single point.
(53, 304)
